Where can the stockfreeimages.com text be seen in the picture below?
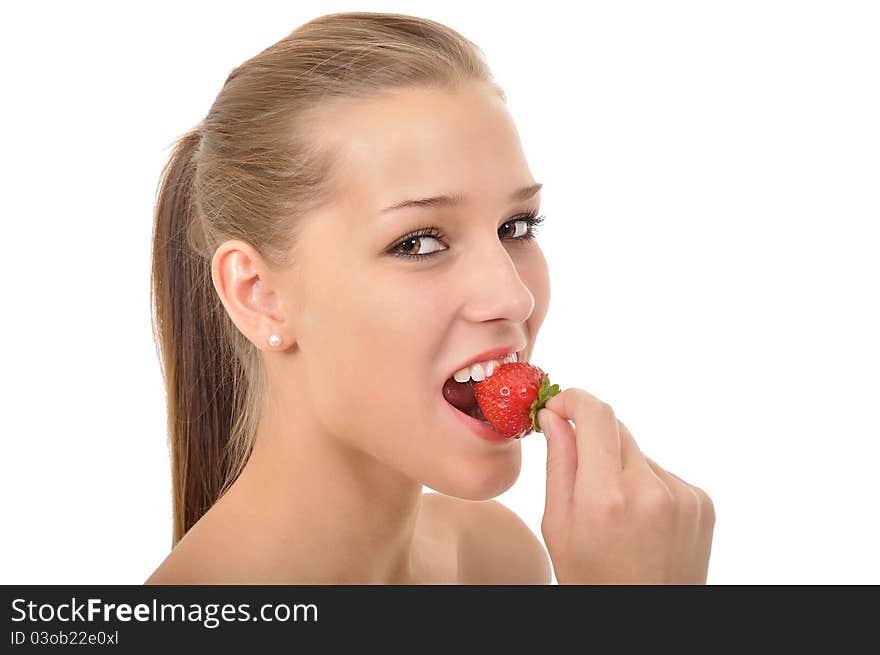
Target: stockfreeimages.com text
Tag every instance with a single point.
(210, 615)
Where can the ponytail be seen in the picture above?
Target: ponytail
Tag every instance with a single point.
(197, 359)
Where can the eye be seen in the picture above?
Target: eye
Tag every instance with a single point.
(531, 222)
(410, 245)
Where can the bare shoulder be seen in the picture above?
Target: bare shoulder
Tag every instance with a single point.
(495, 546)
(209, 553)
(171, 571)
(182, 566)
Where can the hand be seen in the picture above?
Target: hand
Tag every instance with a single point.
(612, 515)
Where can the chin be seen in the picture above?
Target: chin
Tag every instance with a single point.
(481, 479)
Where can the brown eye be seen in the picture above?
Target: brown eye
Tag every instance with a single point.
(509, 227)
(412, 246)
(532, 222)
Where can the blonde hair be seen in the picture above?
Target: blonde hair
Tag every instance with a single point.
(248, 171)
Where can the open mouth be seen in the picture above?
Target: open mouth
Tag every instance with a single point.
(475, 412)
(461, 396)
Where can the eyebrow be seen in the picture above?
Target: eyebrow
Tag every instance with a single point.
(450, 200)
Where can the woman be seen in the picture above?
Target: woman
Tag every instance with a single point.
(350, 225)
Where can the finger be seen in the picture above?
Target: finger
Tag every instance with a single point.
(630, 453)
(668, 476)
(681, 490)
(707, 506)
(561, 459)
(597, 439)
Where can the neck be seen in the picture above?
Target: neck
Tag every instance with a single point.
(315, 504)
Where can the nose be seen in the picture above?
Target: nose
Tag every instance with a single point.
(495, 289)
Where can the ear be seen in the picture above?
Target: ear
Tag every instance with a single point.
(244, 283)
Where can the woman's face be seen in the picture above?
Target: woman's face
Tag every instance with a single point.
(379, 334)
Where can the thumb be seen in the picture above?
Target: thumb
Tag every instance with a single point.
(561, 458)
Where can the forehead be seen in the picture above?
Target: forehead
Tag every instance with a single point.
(411, 142)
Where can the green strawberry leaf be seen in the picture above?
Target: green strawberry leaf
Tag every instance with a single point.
(545, 393)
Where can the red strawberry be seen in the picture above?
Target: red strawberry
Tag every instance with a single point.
(511, 397)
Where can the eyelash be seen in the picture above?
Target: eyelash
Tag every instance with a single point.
(531, 218)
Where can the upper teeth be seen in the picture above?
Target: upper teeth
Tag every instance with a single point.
(483, 370)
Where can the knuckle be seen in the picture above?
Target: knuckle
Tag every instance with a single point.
(707, 507)
(691, 501)
(706, 503)
(581, 394)
(611, 504)
(605, 410)
(658, 504)
(590, 401)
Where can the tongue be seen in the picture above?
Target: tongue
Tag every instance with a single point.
(460, 394)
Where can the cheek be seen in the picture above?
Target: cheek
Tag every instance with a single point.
(375, 350)
(396, 318)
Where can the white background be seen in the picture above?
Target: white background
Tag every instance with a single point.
(711, 190)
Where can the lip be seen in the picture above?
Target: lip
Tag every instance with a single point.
(482, 430)
(495, 353)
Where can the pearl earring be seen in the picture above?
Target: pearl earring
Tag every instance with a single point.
(274, 340)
